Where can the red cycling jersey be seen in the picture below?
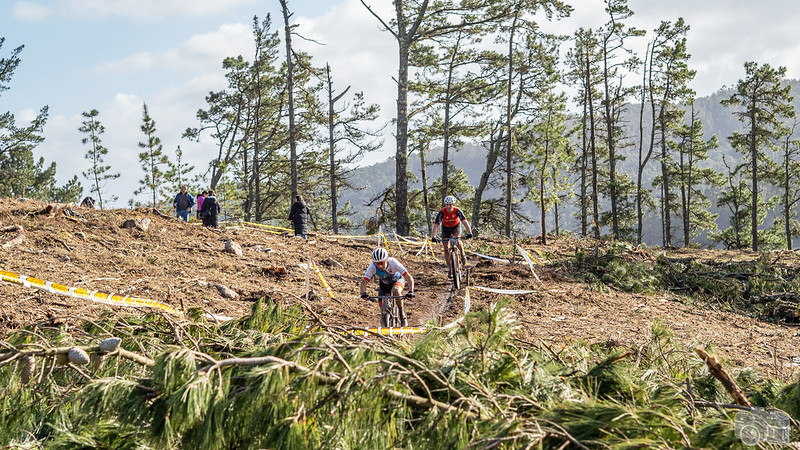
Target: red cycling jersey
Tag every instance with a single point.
(450, 219)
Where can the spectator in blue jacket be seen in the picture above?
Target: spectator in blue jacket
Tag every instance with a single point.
(183, 204)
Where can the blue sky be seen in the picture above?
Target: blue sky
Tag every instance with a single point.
(114, 55)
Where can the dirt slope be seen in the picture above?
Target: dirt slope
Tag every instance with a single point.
(178, 263)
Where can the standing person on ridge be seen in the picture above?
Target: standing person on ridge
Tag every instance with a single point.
(451, 218)
(183, 204)
(299, 215)
(200, 199)
(210, 211)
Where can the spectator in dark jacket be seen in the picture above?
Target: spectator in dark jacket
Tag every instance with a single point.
(183, 204)
(300, 215)
(210, 211)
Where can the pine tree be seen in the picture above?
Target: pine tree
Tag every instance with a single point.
(789, 180)
(20, 174)
(348, 139)
(179, 171)
(584, 71)
(764, 103)
(98, 174)
(692, 151)
(666, 77)
(545, 142)
(152, 159)
(612, 37)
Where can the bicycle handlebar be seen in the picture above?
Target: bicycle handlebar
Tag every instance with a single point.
(375, 298)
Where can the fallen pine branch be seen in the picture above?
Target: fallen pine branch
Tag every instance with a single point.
(716, 369)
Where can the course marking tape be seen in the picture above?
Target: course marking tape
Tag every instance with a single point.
(502, 291)
(529, 261)
(399, 331)
(357, 238)
(95, 296)
(321, 278)
(411, 241)
(492, 258)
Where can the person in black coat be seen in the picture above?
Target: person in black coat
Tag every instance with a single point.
(210, 210)
(300, 215)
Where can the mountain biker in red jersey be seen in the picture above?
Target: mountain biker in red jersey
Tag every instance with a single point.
(392, 279)
(451, 218)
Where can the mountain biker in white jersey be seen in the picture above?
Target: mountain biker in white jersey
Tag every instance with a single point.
(392, 279)
(451, 218)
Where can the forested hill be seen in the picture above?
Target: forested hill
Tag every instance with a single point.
(471, 159)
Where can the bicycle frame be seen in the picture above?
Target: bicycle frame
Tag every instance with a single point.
(391, 313)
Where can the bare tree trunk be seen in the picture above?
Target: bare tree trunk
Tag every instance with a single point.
(424, 171)
(290, 88)
(593, 144)
(754, 162)
(401, 154)
(491, 162)
(509, 148)
(332, 151)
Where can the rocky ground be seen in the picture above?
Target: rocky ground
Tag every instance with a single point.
(187, 265)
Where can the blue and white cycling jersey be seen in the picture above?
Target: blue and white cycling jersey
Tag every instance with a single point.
(393, 272)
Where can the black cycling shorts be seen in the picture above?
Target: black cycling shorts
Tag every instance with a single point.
(385, 290)
(448, 232)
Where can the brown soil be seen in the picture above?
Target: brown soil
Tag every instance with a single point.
(173, 262)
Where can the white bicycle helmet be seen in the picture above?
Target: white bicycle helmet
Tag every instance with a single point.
(380, 254)
(449, 200)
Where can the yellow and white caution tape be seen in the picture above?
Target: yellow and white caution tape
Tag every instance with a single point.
(397, 241)
(399, 331)
(83, 294)
(351, 237)
(502, 291)
(411, 241)
(321, 278)
(529, 261)
(427, 245)
(539, 258)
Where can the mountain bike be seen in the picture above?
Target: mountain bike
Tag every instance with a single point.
(391, 313)
(458, 260)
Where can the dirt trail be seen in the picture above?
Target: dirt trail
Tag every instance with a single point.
(178, 263)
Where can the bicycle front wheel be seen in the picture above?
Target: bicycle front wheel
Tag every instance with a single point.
(454, 263)
(390, 316)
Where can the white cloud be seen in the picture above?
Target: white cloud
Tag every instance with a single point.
(30, 11)
(149, 9)
(201, 52)
(134, 63)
